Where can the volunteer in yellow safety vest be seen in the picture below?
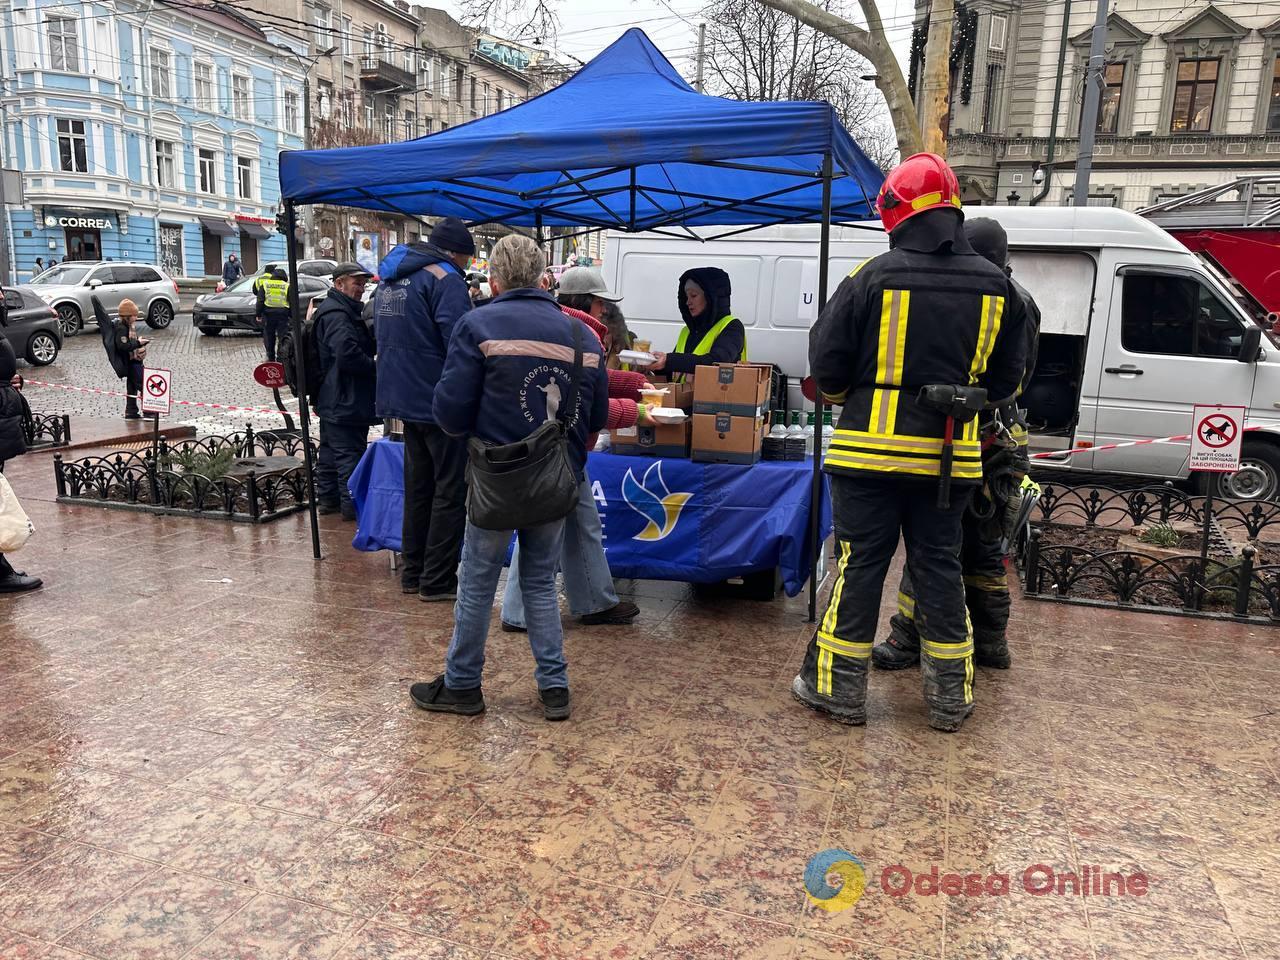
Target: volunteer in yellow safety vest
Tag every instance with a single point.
(711, 334)
(272, 307)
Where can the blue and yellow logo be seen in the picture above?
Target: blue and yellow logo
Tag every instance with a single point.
(652, 500)
(838, 864)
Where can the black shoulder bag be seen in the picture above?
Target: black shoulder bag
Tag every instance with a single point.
(531, 482)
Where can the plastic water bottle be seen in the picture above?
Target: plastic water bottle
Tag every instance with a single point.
(809, 432)
(828, 431)
(779, 428)
(796, 430)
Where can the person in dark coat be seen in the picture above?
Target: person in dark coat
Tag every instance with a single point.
(39, 268)
(711, 334)
(422, 294)
(134, 349)
(13, 443)
(345, 400)
(232, 270)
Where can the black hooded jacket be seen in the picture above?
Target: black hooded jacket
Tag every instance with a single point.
(989, 240)
(13, 407)
(732, 341)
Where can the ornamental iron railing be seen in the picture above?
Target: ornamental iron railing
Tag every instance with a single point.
(46, 430)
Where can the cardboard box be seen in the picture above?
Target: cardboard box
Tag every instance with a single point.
(680, 394)
(657, 440)
(721, 438)
(736, 389)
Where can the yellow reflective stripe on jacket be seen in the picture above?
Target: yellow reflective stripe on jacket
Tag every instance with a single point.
(921, 456)
(988, 330)
(886, 464)
(708, 341)
(895, 306)
(276, 294)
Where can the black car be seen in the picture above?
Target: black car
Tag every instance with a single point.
(32, 327)
(233, 308)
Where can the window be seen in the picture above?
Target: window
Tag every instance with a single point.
(408, 60)
(324, 100)
(72, 150)
(389, 122)
(428, 76)
(244, 178)
(368, 116)
(166, 169)
(161, 83)
(1193, 95)
(242, 102)
(427, 126)
(990, 119)
(203, 76)
(410, 125)
(1100, 200)
(474, 88)
(370, 44)
(502, 99)
(348, 111)
(208, 162)
(488, 103)
(1109, 105)
(291, 120)
(1168, 314)
(1273, 111)
(457, 83)
(999, 31)
(64, 45)
(348, 32)
(323, 18)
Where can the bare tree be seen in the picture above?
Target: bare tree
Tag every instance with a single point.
(758, 53)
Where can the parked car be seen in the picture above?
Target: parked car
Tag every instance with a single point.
(33, 329)
(233, 308)
(308, 268)
(68, 287)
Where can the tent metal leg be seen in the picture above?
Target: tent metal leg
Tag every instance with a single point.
(304, 414)
(815, 493)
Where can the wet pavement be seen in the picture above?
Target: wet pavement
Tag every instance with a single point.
(207, 751)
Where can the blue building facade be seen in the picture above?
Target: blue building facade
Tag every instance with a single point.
(145, 131)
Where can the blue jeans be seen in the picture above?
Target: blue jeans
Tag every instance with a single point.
(587, 580)
(483, 553)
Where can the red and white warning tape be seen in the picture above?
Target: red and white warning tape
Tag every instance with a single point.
(1183, 438)
(124, 396)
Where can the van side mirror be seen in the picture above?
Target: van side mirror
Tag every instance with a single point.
(1250, 344)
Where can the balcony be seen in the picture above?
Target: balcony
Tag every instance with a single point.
(382, 76)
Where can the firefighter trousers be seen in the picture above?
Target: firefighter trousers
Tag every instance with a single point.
(986, 590)
(870, 516)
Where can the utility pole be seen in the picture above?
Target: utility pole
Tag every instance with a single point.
(1092, 96)
(702, 51)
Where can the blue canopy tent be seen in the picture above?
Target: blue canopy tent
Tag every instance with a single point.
(624, 144)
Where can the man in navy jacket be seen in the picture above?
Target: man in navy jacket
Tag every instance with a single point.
(421, 296)
(508, 372)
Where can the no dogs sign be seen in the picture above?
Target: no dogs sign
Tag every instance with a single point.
(1216, 436)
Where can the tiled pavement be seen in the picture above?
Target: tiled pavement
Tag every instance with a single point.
(206, 752)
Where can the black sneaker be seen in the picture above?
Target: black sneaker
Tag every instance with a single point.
(17, 581)
(408, 587)
(513, 628)
(348, 512)
(555, 703)
(134, 416)
(437, 596)
(620, 614)
(326, 508)
(438, 698)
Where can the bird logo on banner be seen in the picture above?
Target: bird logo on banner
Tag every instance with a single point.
(652, 500)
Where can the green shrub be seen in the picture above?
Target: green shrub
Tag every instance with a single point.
(195, 460)
(1161, 535)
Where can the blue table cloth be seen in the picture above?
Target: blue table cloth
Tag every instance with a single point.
(663, 519)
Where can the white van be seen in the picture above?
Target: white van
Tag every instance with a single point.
(1135, 330)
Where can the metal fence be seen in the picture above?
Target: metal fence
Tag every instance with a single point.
(46, 430)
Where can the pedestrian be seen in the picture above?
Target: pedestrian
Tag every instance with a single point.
(911, 345)
(588, 584)
(711, 334)
(272, 308)
(1003, 435)
(14, 413)
(231, 270)
(134, 350)
(620, 338)
(345, 399)
(52, 262)
(39, 268)
(421, 297)
(509, 371)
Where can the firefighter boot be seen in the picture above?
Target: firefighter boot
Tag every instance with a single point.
(947, 670)
(833, 684)
(901, 649)
(986, 596)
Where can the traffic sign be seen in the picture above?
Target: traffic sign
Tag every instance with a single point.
(1216, 436)
(156, 395)
(270, 374)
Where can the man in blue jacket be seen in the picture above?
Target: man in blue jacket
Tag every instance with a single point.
(345, 397)
(508, 372)
(422, 294)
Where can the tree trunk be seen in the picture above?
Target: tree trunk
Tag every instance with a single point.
(872, 44)
(935, 85)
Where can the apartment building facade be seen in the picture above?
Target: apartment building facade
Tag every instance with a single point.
(144, 131)
(1191, 98)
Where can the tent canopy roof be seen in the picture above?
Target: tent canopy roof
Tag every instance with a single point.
(624, 144)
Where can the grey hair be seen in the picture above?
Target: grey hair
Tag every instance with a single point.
(517, 262)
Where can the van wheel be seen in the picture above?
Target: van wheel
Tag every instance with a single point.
(1257, 479)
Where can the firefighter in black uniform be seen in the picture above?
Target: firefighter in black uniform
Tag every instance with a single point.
(911, 345)
(986, 537)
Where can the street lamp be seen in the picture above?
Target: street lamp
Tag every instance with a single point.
(1013, 198)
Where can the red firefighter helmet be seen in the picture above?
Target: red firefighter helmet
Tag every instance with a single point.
(919, 183)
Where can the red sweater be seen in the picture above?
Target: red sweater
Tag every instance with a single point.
(624, 385)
